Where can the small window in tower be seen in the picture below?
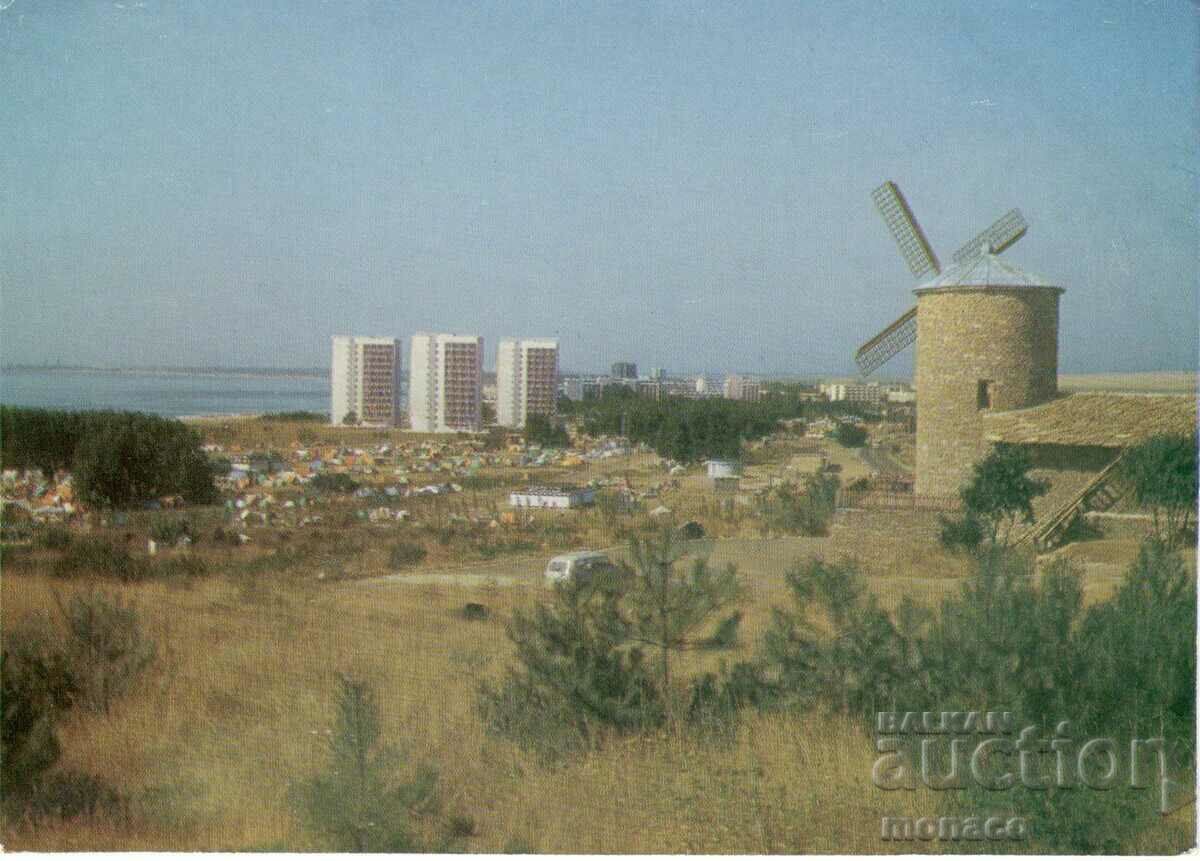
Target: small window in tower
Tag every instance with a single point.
(984, 397)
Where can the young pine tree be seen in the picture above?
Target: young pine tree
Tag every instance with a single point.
(670, 604)
(357, 805)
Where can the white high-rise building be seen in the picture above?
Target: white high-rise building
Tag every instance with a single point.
(365, 381)
(443, 383)
(526, 380)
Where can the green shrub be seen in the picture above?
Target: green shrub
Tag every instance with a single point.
(405, 554)
(726, 634)
(168, 530)
(184, 567)
(333, 482)
(850, 435)
(73, 795)
(28, 741)
(104, 647)
(961, 533)
(103, 557)
(53, 538)
(788, 509)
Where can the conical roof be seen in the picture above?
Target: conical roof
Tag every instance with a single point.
(986, 270)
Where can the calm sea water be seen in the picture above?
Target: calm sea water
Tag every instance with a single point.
(167, 394)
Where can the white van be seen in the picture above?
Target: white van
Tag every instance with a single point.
(575, 566)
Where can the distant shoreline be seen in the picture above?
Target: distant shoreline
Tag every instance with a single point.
(273, 373)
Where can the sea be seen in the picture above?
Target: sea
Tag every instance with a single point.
(165, 393)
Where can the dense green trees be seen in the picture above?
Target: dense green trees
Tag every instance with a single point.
(118, 458)
(684, 429)
(543, 431)
(1162, 472)
(1121, 669)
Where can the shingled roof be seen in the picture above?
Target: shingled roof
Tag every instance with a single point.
(1094, 418)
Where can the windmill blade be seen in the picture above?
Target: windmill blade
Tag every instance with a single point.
(1007, 230)
(887, 343)
(918, 253)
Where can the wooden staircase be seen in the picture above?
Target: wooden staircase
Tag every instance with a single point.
(1099, 494)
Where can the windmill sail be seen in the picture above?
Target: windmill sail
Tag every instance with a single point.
(918, 253)
(887, 343)
(1007, 230)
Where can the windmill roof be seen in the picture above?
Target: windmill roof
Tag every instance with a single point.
(986, 270)
(1094, 418)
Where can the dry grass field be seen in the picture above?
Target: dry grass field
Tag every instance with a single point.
(238, 704)
(237, 707)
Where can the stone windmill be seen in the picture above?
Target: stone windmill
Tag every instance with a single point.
(986, 335)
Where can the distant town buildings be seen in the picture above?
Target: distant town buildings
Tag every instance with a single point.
(624, 370)
(526, 380)
(444, 383)
(365, 381)
(872, 394)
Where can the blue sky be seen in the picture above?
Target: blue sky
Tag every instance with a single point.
(685, 185)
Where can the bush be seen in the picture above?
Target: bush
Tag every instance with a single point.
(102, 557)
(73, 795)
(168, 530)
(405, 554)
(104, 647)
(333, 482)
(850, 435)
(185, 567)
(53, 538)
(963, 533)
(28, 741)
(726, 634)
(788, 509)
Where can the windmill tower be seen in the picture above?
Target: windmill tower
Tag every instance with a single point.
(986, 335)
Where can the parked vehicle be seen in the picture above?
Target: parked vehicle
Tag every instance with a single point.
(579, 566)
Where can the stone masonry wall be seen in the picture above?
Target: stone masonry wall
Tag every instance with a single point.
(965, 335)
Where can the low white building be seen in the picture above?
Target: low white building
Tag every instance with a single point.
(552, 497)
(723, 469)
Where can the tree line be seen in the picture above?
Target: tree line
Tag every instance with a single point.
(116, 458)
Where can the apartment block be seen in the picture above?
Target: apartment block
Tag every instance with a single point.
(444, 383)
(365, 381)
(526, 379)
(741, 389)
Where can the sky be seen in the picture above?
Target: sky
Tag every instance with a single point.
(683, 185)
